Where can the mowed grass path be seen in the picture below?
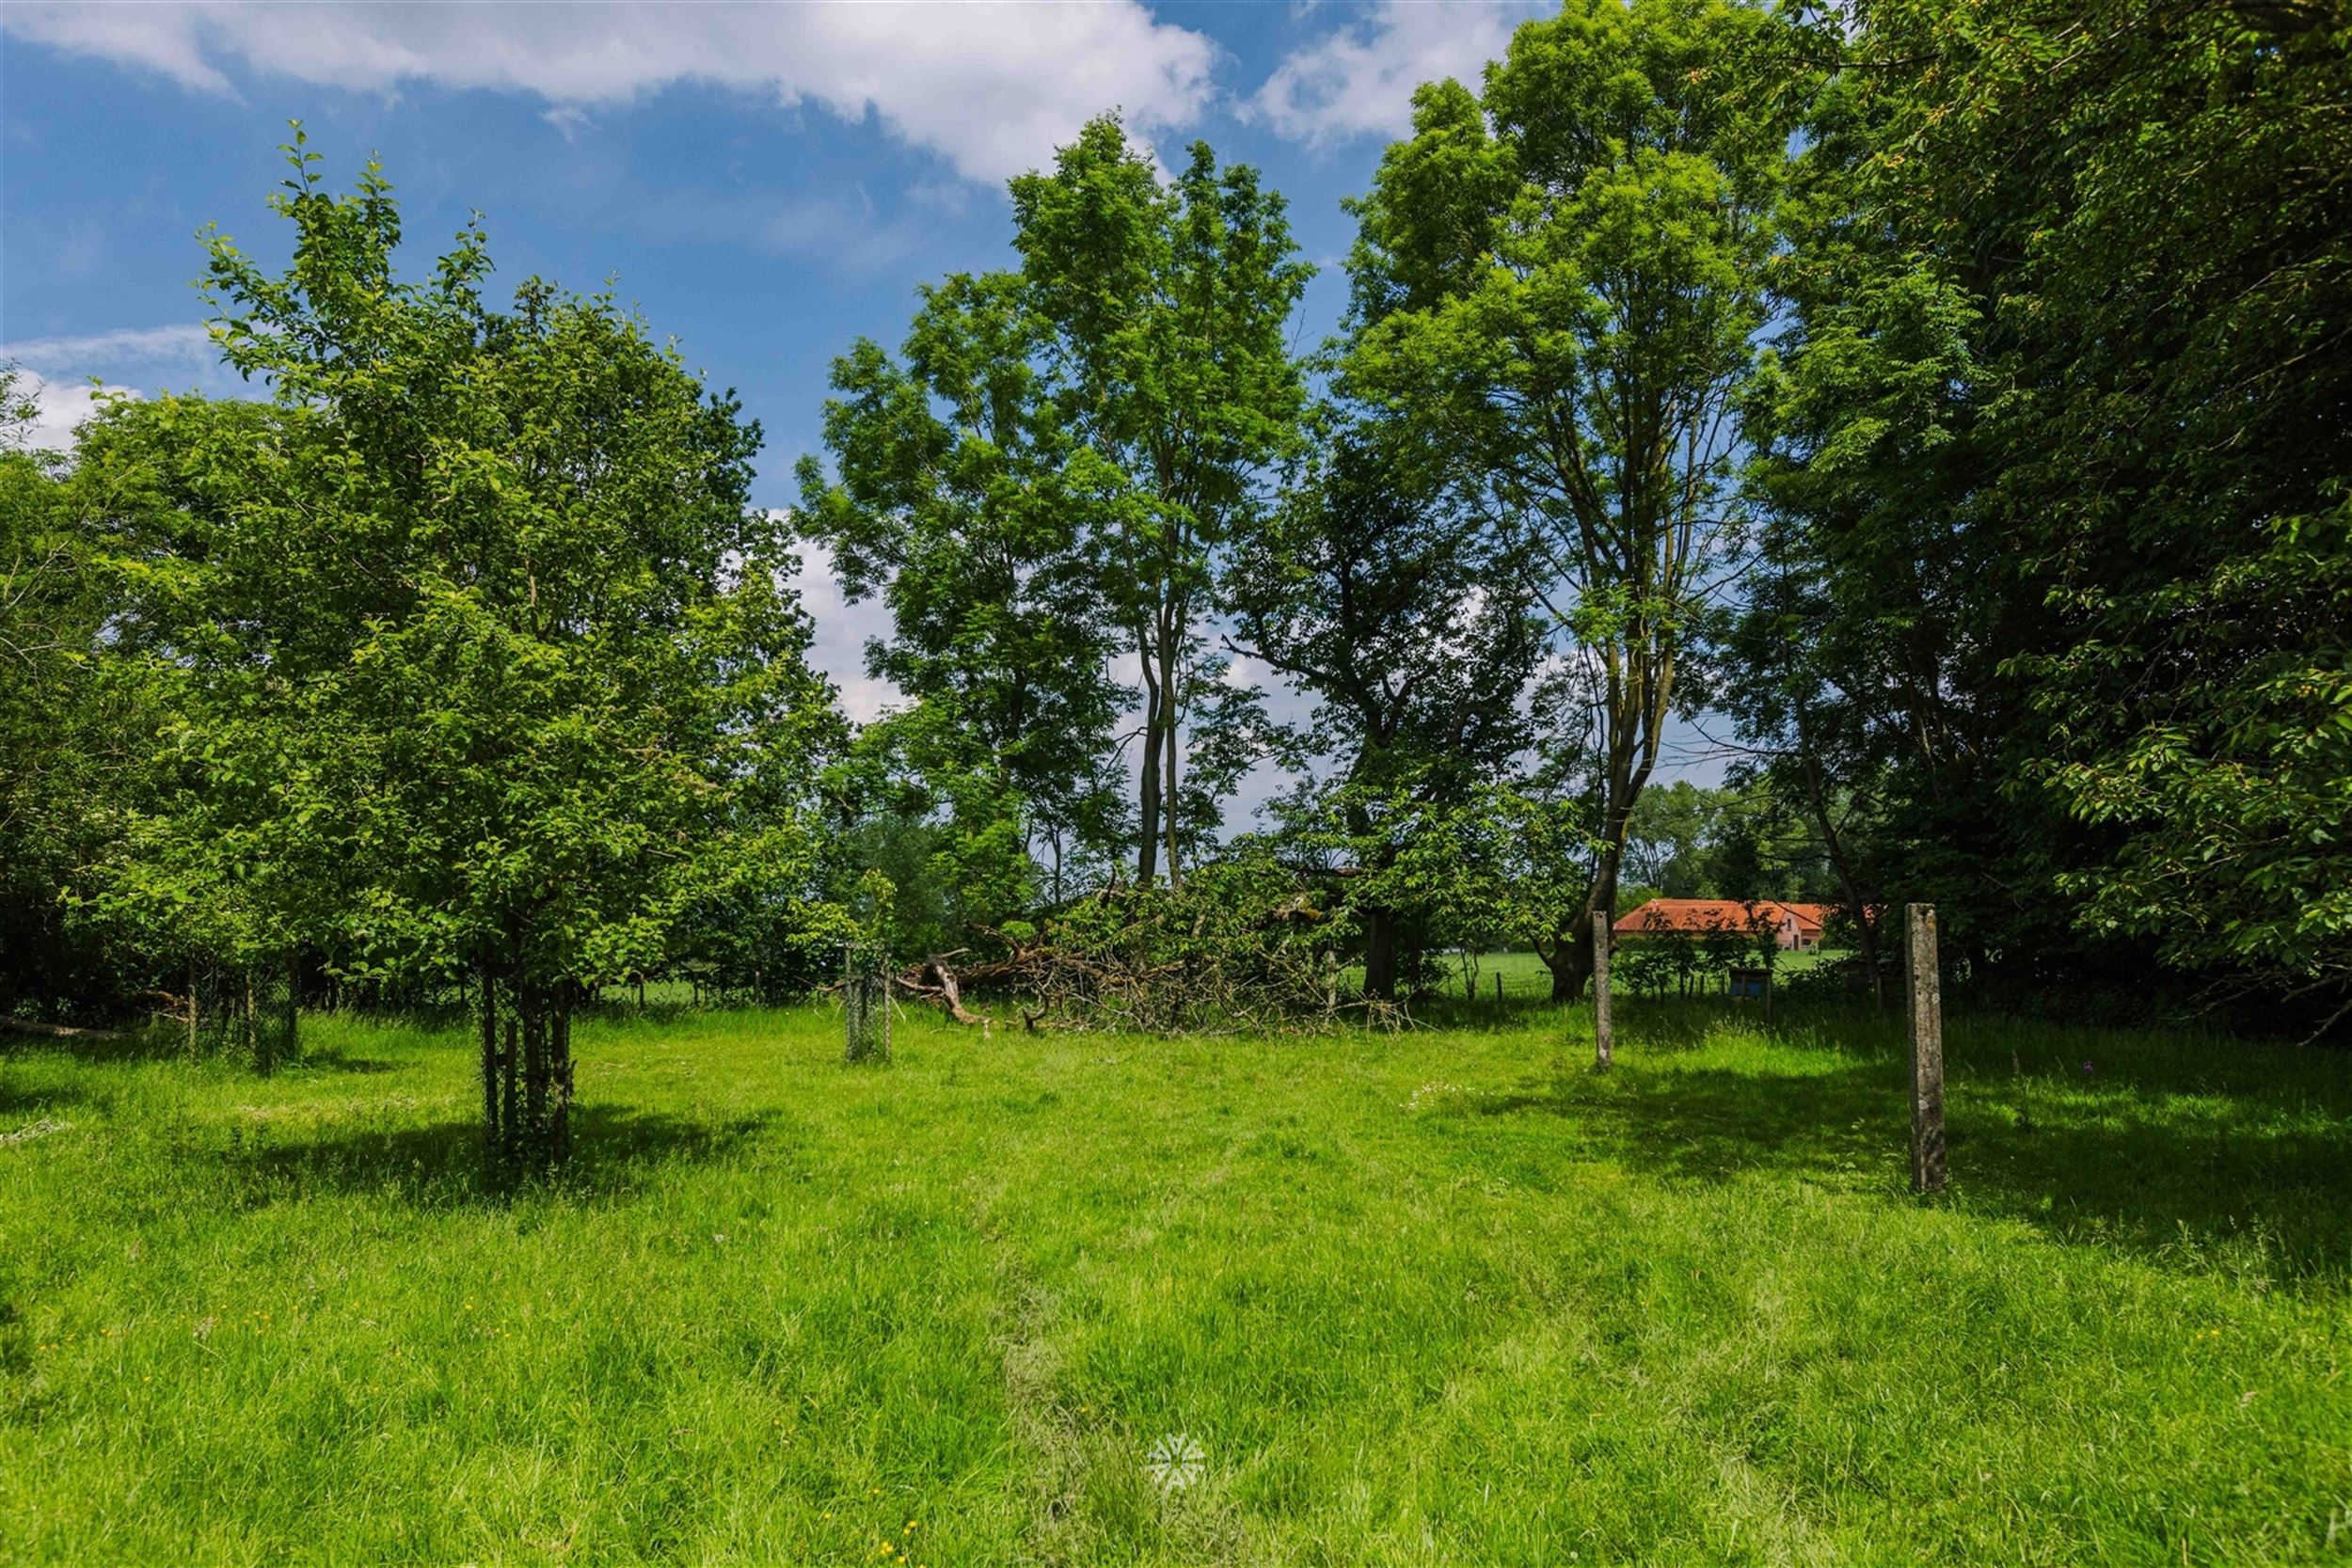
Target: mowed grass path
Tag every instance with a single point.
(1444, 1297)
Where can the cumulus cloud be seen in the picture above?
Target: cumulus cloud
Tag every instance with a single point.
(1359, 80)
(61, 407)
(57, 372)
(992, 89)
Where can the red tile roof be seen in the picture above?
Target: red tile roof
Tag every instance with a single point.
(1712, 914)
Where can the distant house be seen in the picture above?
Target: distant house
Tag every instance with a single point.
(1796, 927)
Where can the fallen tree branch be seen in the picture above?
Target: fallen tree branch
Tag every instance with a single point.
(59, 1031)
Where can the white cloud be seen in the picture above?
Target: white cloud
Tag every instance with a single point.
(61, 406)
(992, 89)
(57, 372)
(1359, 80)
(189, 344)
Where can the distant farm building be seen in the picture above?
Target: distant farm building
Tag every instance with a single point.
(1796, 927)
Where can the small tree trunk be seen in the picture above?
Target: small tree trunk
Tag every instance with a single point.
(293, 1002)
(560, 1081)
(536, 1074)
(510, 1108)
(193, 1007)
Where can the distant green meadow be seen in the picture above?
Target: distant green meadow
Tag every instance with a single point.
(1436, 1297)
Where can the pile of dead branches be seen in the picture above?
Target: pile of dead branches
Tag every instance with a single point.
(1241, 947)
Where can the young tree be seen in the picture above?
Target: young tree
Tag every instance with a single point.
(484, 630)
(1559, 280)
(1166, 309)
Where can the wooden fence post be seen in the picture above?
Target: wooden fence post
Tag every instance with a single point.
(1602, 1044)
(1924, 1004)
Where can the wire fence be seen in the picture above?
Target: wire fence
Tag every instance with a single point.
(865, 1002)
(252, 1011)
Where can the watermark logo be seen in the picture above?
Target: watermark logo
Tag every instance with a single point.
(1175, 1462)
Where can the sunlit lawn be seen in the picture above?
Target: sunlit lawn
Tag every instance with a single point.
(1441, 1297)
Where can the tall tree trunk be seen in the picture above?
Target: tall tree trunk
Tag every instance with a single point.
(1148, 800)
(1167, 797)
(1170, 711)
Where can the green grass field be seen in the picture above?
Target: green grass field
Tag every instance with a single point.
(1442, 1297)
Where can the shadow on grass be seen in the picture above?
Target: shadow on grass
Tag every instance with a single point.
(1657, 1021)
(616, 1151)
(137, 1043)
(2169, 1165)
(20, 1100)
(335, 1059)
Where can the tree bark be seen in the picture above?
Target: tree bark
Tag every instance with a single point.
(1604, 1041)
(536, 1074)
(1148, 793)
(560, 1078)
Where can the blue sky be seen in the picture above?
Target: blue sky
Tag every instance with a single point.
(765, 183)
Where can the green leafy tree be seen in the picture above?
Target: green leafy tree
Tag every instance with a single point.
(483, 637)
(953, 502)
(2058, 452)
(1166, 305)
(1559, 280)
(69, 725)
(1668, 835)
(1397, 613)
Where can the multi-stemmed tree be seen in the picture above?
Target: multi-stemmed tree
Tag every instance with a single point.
(1559, 280)
(479, 651)
(1051, 475)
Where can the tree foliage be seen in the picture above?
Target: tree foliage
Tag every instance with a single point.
(478, 659)
(2058, 452)
(1559, 280)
